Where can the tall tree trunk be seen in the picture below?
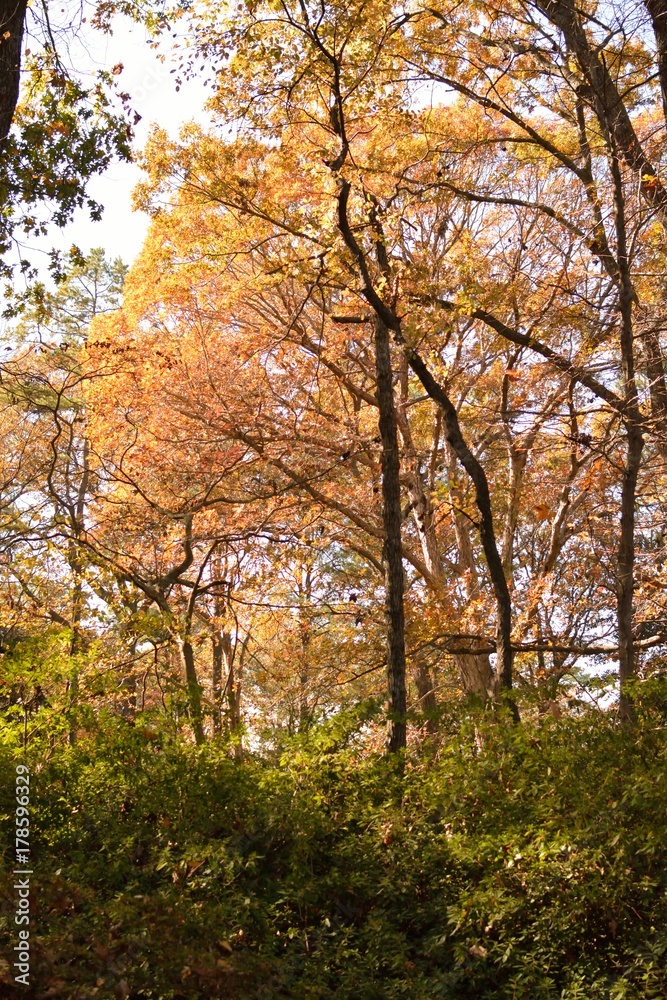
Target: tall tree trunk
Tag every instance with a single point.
(608, 104)
(658, 11)
(483, 500)
(655, 374)
(223, 662)
(305, 591)
(386, 318)
(224, 654)
(219, 640)
(425, 692)
(128, 689)
(475, 671)
(216, 680)
(634, 446)
(75, 565)
(235, 692)
(420, 500)
(12, 20)
(193, 689)
(128, 704)
(424, 520)
(393, 552)
(234, 703)
(77, 513)
(626, 562)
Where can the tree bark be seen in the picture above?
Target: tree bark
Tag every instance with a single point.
(193, 689)
(223, 662)
(422, 512)
(128, 696)
(305, 592)
(626, 562)
(12, 20)
(634, 445)
(216, 680)
(76, 641)
(418, 492)
(475, 671)
(426, 693)
(658, 11)
(483, 500)
(393, 551)
(655, 374)
(75, 560)
(233, 691)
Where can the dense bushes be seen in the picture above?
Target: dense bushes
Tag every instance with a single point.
(500, 862)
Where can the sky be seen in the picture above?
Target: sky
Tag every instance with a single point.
(153, 95)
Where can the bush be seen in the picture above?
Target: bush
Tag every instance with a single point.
(502, 862)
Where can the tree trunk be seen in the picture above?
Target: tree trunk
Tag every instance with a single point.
(608, 104)
(634, 445)
(422, 512)
(193, 689)
(128, 690)
(658, 11)
(483, 499)
(128, 703)
(234, 693)
(626, 561)
(393, 553)
(655, 374)
(76, 566)
(76, 639)
(425, 693)
(223, 662)
(387, 319)
(12, 19)
(216, 681)
(420, 500)
(475, 671)
(234, 702)
(305, 591)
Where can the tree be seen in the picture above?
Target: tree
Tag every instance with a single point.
(478, 276)
(42, 380)
(57, 130)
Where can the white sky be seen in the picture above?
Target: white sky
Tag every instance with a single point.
(153, 95)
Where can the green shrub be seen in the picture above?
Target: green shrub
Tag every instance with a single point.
(500, 862)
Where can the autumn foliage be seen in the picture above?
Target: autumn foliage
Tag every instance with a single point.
(378, 417)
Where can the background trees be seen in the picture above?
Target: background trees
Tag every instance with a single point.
(487, 235)
(447, 223)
